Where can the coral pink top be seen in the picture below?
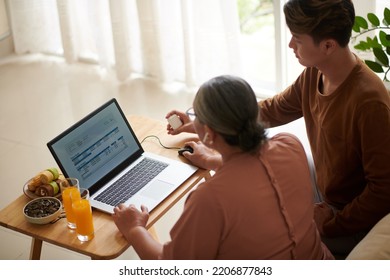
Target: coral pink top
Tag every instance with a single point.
(254, 207)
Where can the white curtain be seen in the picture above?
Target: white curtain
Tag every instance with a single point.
(170, 40)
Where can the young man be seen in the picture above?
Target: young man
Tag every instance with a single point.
(346, 108)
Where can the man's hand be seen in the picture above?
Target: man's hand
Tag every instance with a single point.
(322, 214)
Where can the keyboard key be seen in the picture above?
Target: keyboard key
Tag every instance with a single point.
(131, 182)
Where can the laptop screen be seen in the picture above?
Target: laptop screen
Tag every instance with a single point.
(97, 147)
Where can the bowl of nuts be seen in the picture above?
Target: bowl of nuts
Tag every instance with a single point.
(42, 210)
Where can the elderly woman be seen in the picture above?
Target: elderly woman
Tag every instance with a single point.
(258, 204)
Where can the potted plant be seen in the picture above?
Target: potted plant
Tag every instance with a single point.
(379, 45)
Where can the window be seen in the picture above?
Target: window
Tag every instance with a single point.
(267, 62)
(169, 40)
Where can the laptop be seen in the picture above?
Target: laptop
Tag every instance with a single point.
(101, 150)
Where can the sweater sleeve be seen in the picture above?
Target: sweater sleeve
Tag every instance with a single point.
(373, 202)
(285, 106)
(197, 233)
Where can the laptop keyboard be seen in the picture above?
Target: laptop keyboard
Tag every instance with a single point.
(131, 182)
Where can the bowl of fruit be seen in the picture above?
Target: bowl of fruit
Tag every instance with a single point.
(44, 183)
(42, 210)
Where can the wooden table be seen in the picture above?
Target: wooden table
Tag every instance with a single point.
(108, 242)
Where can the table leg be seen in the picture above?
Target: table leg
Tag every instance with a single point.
(36, 248)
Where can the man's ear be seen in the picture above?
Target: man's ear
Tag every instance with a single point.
(329, 45)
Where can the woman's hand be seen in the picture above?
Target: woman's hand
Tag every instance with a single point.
(131, 223)
(203, 156)
(129, 218)
(187, 123)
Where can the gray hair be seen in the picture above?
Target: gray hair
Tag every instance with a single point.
(228, 105)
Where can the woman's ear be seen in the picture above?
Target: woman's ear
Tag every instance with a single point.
(209, 135)
(205, 137)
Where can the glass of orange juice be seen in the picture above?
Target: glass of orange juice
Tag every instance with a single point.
(84, 220)
(70, 189)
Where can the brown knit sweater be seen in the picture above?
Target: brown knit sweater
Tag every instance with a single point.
(349, 135)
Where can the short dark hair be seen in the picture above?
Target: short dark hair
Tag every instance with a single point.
(321, 19)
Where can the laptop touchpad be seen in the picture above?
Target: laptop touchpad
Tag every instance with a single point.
(157, 189)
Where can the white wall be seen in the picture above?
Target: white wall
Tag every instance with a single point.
(362, 7)
(380, 6)
(6, 41)
(4, 27)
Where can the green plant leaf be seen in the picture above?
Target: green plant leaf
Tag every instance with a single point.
(374, 66)
(361, 22)
(384, 38)
(386, 14)
(373, 42)
(363, 46)
(381, 56)
(373, 19)
(356, 28)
